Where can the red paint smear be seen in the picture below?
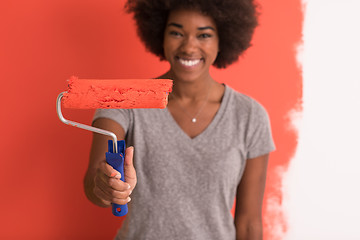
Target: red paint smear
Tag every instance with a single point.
(44, 42)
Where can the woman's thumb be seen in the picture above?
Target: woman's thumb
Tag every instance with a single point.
(129, 154)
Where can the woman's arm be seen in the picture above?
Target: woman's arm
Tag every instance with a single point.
(249, 200)
(102, 183)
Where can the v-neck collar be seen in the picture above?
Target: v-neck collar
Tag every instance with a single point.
(211, 125)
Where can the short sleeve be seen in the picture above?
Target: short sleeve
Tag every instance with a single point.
(259, 139)
(121, 116)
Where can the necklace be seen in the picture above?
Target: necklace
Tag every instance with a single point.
(194, 119)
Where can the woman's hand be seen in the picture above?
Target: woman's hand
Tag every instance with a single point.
(107, 184)
(102, 183)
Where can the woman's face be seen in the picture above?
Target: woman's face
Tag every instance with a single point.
(191, 44)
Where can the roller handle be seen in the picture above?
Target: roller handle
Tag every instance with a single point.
(116, 160)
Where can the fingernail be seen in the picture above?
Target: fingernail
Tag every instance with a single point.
(130, 192)
(115, 175)
(129, 186)
(129, 199)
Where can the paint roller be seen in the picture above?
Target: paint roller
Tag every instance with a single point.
(113, 93)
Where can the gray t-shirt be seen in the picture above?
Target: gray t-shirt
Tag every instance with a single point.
(186, 186)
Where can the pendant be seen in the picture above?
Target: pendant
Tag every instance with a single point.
(193, 120)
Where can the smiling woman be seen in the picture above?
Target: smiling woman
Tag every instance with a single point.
(209, 145)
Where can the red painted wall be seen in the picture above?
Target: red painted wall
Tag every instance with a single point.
(43, 161)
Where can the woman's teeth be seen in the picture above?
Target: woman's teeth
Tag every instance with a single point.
(189, 63)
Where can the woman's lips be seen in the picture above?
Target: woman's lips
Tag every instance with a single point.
(189, 62)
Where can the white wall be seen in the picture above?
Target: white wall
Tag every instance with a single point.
(322, 185)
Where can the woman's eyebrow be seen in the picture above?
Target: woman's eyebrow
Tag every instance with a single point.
(204, 28)
(175, 25)
(199, 28)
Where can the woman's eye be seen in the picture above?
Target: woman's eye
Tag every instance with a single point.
(176, 34)
(205, 35)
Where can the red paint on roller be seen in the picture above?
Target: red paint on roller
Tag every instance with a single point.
(117, 93)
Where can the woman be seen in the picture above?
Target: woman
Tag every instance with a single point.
(209, 145)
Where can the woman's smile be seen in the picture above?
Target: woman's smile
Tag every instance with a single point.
(188, 62)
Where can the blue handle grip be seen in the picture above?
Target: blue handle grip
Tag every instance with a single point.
(116, 160)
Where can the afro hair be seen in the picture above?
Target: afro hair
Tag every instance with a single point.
(235, 21)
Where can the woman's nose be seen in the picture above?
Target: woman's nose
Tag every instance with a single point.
(189, 45)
